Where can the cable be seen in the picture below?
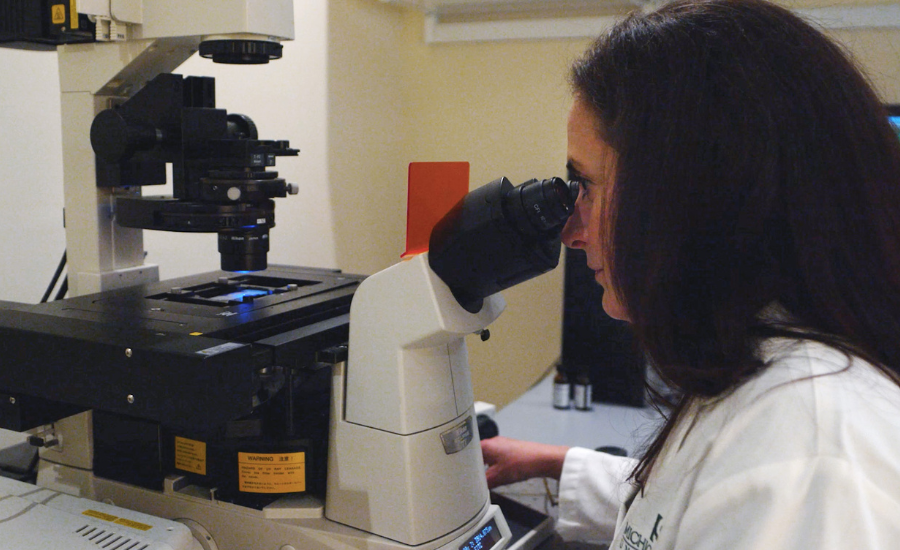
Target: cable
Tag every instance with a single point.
(59, 269)
(553, 501)
(63, 288)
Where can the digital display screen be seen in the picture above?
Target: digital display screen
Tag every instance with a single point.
(485, 539)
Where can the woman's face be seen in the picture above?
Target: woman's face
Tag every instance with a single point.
(592, 163)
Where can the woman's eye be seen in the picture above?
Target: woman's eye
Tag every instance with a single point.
(584, 189)
(584, 185)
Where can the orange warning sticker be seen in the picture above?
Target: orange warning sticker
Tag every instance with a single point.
(100, 515)
(133, 524)
(272, 473)
(190, 455)
(117, 520)
(58, 14)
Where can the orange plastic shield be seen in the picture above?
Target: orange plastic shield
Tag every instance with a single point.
(434, 188)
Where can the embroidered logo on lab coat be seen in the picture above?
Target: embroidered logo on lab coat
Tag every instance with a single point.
(633, 539)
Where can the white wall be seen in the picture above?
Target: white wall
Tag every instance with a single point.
(367, 125)
(31, 223)
(286, 99)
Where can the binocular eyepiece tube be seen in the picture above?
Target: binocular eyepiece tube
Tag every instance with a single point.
(500, 235)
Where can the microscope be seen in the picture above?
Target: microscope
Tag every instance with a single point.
(125, 118)
(257, 406)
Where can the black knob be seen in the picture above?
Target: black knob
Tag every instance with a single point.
(241, 127)
(487, 428)
(114, 139)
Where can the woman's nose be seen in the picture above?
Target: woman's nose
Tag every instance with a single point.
(573, 233)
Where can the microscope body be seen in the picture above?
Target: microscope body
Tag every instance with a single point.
(403, 429)
(136, 41)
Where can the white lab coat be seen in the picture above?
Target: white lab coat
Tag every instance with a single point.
(804, 455)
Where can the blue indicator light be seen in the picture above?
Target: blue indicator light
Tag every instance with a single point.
(485, 539)
(240, 295)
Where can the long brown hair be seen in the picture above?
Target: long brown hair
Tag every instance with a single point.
(755, 165)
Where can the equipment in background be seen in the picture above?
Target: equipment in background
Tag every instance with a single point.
(41, 518)
(115, 95)
(220, 180)
(562, 389)
(44, 24)
(595, 344)
(582, 392)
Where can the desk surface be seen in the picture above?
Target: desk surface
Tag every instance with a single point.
(533, 418)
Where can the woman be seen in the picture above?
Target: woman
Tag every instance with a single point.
(740, 206)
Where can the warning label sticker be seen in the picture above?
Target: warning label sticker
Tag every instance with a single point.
(58, 14)
(272, 473)
(117, 520)
(190, 455)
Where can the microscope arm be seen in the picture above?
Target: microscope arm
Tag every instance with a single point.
(152, 37)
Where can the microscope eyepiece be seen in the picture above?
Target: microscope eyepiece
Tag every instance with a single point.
(499, 235)
(539, 206)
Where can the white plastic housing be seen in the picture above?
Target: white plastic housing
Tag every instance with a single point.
(408, 369)
(404, 460)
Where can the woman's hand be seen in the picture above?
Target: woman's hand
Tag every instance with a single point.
(512, 460)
